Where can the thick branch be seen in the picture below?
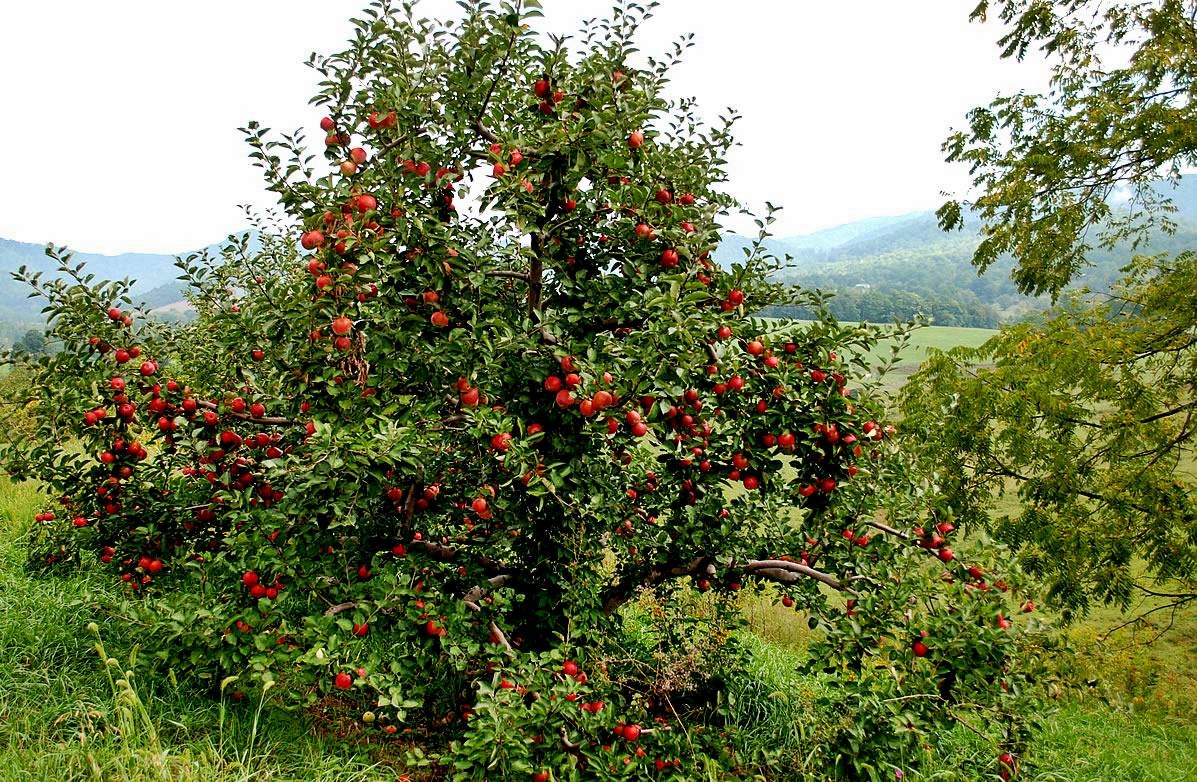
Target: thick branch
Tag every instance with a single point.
(621, 592)
(780, 570)
(787, 572)
(486, 132)
(502, 639)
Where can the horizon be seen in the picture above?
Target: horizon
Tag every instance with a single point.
(773, 236)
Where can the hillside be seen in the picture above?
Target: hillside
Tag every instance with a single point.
(154, 280)
(889, 268)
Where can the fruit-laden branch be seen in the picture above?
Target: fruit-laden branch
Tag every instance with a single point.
(268, 420)
(469, 599)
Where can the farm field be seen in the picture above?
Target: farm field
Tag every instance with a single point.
(922, 342)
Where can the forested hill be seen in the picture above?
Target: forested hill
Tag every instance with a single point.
(893, 267)
(153, 275)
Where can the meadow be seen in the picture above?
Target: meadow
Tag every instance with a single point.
(74, 708)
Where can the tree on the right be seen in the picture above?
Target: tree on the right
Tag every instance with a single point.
(1090, 417)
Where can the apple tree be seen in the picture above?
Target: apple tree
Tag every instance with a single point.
(482, 396)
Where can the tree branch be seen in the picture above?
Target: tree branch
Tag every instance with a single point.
(787, 572)
(509, 274)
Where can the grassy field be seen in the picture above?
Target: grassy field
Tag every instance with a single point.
(921, 342)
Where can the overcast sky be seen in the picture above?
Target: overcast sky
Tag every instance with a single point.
(119, 128)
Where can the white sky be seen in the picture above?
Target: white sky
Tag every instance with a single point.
(119, 128)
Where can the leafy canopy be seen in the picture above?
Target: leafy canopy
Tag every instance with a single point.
(1090, 417)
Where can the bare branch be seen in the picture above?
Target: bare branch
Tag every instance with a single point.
(787, 572)
(508, 273)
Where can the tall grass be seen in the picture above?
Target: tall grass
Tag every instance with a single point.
(72, 708)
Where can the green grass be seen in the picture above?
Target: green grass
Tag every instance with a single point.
(1094, 742)
(68, 712)
(940, 338)
(921, 342)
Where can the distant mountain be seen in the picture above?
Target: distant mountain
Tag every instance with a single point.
(893, 267)
(859, 231)
(154, 277)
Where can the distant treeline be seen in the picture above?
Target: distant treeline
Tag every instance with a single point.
(959, 308)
